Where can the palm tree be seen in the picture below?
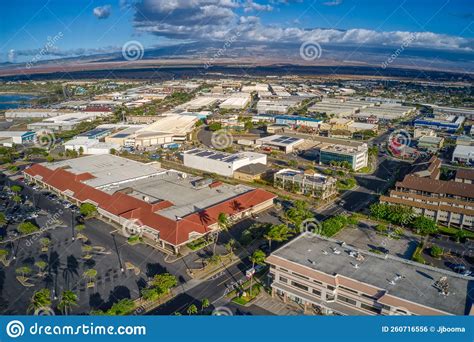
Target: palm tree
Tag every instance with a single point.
(41, 265)
(192, 310)
(41, 299)
(68, 300)
(204, 304)
(3, 220)
(222, 222)
(278, 233)
(24, 270)
(91, 274)
(258, 257)
(229, 246)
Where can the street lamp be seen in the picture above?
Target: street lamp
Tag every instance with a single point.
(118, 254)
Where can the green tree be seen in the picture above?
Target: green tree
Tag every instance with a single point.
(41, 265)
(192, 310)
(298, 213)
(122, 307)
(68, 300)
(41, 299)
(16, 188)
(23, 271)
(379, 210)
(436, 251)
(3, 220)
(88, 209)
(229, 246)
(27, 228)
(257, 257)
(16, 198)
(204, 304)
(164, 282)
(460, 235)
(223, 223)
(425, 226)
(278, 233)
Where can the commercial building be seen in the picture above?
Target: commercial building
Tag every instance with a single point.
(125, 137)
(236, 102)
(429, 143)
(198, 103)
(448, 123)
(280, 142)
(465, 176)
(384, 112)
(251, 172)
(66, 122)
(17, 137)
(294, 121)
(466, 112)
(168, 208)
(305, 182)
(34, 113)
(221, 163)
(96, 133)
(338, 150)
(463, 154)
(447, 202)
(89, 145)
(326, 276)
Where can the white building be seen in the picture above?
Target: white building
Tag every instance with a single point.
(236, 102)
(219, 162)
(463, 154)
(280, 142)
(90, 146)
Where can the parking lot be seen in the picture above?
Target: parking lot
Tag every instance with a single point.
(122, 270)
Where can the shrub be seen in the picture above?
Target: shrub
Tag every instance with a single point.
(436, 251)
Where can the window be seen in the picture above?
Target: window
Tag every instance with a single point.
(300, 276)
(317, 292)
(283, 270)
(317, 282)
(283, 279)
(272, 266)
(346, 300)
(370, 308)
(367, 296)
(347, 289)
(330, 288)
(300, 286)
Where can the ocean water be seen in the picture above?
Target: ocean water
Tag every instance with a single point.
(10, 101)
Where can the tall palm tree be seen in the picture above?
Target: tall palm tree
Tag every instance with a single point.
(68, 300)
(222, 222)
(258, 257)
(41, 299)
(204, 304)
(278, 233)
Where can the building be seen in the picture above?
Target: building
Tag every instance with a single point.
(96, 133)
(251, 172)
(466, 112)
(430, 143)
(294, 121)
(448, 123)
(33, 113)
(221, 163)
(421, 132)
(305, 182)
(168, 208)
(236, 102)
(325, 276)
(66, 122)
(447, 202)
(463, 154)
(89, 145)
(280, 142)
(124, 137)
(9, 138)
(465, 176)
(355, 155)
(199, 103)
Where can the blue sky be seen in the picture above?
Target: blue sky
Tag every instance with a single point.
(88, 27)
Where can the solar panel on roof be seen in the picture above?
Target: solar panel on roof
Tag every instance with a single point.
(121, 135)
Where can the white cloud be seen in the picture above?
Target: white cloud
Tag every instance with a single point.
(11, 56)
(102, 12)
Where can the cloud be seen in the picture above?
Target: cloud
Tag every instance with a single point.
(250, 6)
(208, 20)
(102, 12)
(11, 56)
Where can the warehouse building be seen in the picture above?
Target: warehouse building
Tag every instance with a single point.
(280, 142)
(326, 276)
(448, 123)
(236, 102)
(224, 164)
(9, 138)
(431, 144)
(89, 145)
(168, 208)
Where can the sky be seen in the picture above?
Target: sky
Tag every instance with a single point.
(42, 29)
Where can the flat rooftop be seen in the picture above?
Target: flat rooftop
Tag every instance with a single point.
(222, 156)
(416, 284)
(280, 140)
(107, 169)
(188, 194)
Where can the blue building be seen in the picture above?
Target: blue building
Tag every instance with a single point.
(96, 133)
(448, 123)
